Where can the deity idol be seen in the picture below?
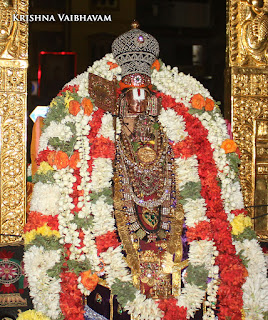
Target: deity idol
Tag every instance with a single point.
(137, 211)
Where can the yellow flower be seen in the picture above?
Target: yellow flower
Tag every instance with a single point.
(68, 97)
(239, 223)
(152, 142)
(53, 103)
(44, 168)
(44, 231)
(47, 232)
(32, 315)
(29, 236)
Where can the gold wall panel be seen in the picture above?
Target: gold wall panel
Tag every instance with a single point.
(13, 95)
(247, 58)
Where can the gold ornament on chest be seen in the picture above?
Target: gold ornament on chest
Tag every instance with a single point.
(146, 154)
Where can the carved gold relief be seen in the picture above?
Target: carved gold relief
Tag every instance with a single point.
(13, 94)
(13, 34)
(254, 31)
(250, 127)
(247, 53)
(248, 31)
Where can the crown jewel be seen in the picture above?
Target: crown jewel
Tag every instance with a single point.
(135, 51)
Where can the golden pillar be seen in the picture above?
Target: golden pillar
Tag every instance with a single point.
(247, 55)
(13, 94)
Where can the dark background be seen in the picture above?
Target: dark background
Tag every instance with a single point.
(191, 34)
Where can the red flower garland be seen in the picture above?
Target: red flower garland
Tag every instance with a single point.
(201, 231)
(71, 297)
(171, 310)
(105, 241)
(230, 292)
(103, 148)
(36, 220)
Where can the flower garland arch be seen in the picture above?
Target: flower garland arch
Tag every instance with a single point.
(70, 236)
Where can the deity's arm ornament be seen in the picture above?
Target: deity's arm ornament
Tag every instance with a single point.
(72, 207)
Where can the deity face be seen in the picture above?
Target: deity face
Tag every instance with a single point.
(137, 100)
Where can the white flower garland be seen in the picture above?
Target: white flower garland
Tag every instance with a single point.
(173, 125)
(178, 85)
(45, 198)
(60, 130)
(255, 289)
(200, 252)
(102, 174)
(44, 289)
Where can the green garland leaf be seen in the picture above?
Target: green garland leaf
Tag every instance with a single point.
(58, 109)
(191, 190)
(65, 146)
(234, 161)
(57, 112)
(156, 126)
(136, 146)
(125, 291)
(197, 275)
(244, 259)
(56, 270)
(78, 266)
(71, 265)
(106, 192)
(82, 223)
(248, 234)
(44, 178)
(49, 243)
(196, 111)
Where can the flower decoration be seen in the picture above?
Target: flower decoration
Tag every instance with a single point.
(239, 223)
(229, 146)
(156, 65)
(89, 280)
(74, 160)
(198, 101)
(61, 160)
(74, 107)
(32, 315)
(44, 168)
(112, 65)
(172, 310)
(71, 227)
(209, 104)
(87, 105)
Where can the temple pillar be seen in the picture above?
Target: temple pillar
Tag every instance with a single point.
(247, 101)
(13, 94)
